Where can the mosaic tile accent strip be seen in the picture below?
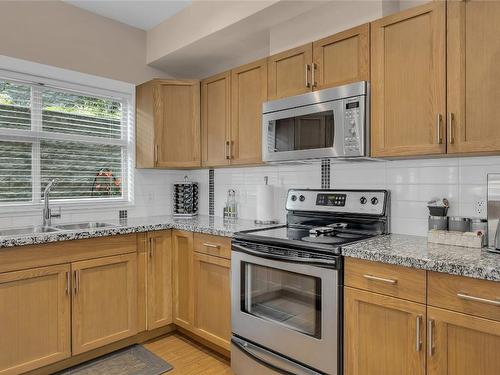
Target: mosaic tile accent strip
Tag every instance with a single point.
(211, 192)
(325, 173)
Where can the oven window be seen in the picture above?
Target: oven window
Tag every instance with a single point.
(290, 299)
(306, 132)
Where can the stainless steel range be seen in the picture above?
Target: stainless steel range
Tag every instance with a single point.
(286, 293)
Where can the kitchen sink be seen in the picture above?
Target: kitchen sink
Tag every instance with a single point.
(27, 230)
(83, 226)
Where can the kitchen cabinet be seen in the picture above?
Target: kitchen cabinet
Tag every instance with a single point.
(408, 82)
(182, 245)
(216, 120)
(461, 344)
(35, 318)
(289, 72)
(159, 279)
(473, 72)
(342, 58)
(212, 299)
(168, 124)
(104, 303)
(382, 334)
(248, 92)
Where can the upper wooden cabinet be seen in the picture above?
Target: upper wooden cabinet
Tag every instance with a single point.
(342, 58)
(35, 318)
(168, 124)
(289, 72)
(216, 119)
(159, 279)
(248, 92)
(104, 301)
(408, 75)
(473, 76)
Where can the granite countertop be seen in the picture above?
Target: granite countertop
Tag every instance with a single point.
(201, 224)
(414, 251)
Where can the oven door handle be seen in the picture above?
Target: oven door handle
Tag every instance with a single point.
(330, 263)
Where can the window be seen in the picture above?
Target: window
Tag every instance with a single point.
(79, 138)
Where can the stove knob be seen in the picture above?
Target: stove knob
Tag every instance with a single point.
(302, 198)
(374, 200)
(294, 198)
(363, 200)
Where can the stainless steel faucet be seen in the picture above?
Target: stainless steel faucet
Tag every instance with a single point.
(47, 211)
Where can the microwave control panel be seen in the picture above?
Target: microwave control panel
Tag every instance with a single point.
(353, 131)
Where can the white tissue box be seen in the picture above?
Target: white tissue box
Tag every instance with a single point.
(465, 239)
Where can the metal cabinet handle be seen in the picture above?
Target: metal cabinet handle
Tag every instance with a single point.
(478, 299)
(438, 127)
(450, 128)
(227, 150)
(68, 282)
(313, 75)
(211, 245)
(231, 144)
(156, 153)
(418, 343)
(76, 276)
(151, 247)
(307, 75)
(430, 328)
(376, 278)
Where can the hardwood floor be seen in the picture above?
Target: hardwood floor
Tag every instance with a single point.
(187, 357)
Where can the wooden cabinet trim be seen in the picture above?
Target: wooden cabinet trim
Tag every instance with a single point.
(183, 286)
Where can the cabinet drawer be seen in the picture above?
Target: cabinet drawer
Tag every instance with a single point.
(396, 281)
(465, 294)
(212, 245)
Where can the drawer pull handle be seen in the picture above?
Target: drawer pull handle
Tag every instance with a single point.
(478, 299)
(430, 340)
(419, 340)
(376, 278)
(211, 245)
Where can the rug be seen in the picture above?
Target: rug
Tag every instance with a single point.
(133, 360)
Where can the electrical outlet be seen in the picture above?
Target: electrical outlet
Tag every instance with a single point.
(151, 196)
(480, 208)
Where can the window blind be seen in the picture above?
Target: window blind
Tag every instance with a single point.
(49, 133)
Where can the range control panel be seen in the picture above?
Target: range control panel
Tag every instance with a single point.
(371, 202)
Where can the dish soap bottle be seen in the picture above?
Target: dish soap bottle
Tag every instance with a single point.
(230, 209)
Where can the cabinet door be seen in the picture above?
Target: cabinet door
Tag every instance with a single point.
(249, 91)
(159, 278)
(409, 82)
(216, 119)
(289, 72)
(177, 124)
(104, 301)
(212, 299)
(382, 335)
(342, 58)
(183, 278)
(462, 344)
(473, 76)
(168, 124)
(35, 318)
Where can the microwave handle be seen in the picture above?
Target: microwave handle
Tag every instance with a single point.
(331, 263)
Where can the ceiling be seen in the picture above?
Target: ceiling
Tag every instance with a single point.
(142, 14)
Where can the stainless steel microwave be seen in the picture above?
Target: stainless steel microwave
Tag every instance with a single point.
(330, 123)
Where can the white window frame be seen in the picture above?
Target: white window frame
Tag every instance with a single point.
(42, 76)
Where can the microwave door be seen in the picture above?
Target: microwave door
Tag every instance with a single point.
(312, 131)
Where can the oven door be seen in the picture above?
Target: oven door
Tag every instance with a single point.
(290, 307)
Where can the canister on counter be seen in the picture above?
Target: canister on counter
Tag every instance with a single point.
(459, 224)
(480, 225)
(438, 222)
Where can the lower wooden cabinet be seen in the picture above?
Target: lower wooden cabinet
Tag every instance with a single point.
(159, 279)
(462, 344)
(182, 243)
(212, 299)
(35, 318)
(383, 335)
(104, 301)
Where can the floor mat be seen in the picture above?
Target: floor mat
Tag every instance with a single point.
(134, 360)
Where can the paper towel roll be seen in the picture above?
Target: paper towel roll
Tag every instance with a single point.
(265, 203)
